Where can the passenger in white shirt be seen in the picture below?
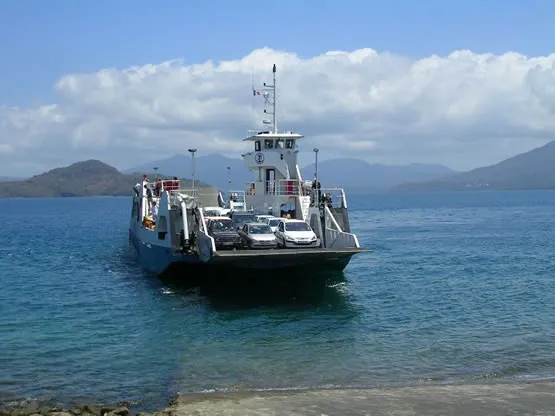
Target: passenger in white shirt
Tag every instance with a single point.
(154, 210)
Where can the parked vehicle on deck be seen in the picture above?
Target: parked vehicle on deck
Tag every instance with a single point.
(224, 233)
(258, 235)
(263, 217)
(295, 234)
(273, 223)
(241, 218)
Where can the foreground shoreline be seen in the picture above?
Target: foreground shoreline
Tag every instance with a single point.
(530, 398)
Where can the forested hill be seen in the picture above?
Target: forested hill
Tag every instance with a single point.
(87, 178)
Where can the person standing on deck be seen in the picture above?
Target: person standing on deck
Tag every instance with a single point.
(154, 210)
(315, 192)
(148, 196)
(158, 187)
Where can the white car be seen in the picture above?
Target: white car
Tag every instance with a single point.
(295, 234)
(273, 223)
(263, 218)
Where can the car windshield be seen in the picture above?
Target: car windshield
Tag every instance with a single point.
(244, 218)
(260, 229)
(274, 222)
(296, 226)
(221, 225)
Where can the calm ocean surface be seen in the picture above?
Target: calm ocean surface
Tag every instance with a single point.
(460, 288)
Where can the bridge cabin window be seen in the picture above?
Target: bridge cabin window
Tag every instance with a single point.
(290, 143)
(268, 144)
(257, 146)
(279, 144)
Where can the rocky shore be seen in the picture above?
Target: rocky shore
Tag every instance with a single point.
(534, 398)
(45, 408)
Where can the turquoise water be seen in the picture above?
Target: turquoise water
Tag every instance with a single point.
(460, 288)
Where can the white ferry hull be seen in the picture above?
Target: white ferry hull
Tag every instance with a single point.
(158, 260)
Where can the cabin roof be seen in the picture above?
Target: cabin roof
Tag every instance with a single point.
(269, 135)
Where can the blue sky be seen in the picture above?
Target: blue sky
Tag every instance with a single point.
(42, 40)
(405, 101)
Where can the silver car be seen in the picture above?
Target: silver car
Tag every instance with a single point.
(258, 235)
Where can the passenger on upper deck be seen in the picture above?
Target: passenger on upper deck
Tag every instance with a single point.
(158, 187)
(148, 195)
(316, 192)
(326, 199)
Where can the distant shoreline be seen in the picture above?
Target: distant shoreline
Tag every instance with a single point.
(507, 397)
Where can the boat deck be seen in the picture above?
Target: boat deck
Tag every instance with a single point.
(285, 258)
(289, 252)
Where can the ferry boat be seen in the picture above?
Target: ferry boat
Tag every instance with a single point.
(177, 236)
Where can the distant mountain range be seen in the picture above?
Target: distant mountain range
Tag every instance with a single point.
(351, 174)
(531, 170)
(527, 171)
(10, 179)
(88, 178)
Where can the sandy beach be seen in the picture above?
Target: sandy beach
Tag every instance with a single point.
(499, 399)
(533, 398)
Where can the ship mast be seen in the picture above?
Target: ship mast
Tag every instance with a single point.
(270, 97)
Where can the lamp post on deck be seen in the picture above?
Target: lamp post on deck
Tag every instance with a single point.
(317, 187)
(193, 151)
(229, 180)
(155, 172)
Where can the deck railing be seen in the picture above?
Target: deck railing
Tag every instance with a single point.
(202, 196)
(235, 196)
(280, 187)
(334, 197)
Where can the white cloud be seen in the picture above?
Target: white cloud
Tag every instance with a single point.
(5, 149)
(463, 110)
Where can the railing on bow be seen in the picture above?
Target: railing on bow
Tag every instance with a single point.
(235, 196)
(333, 197)
(193, 193)
(201, 196)
(171, 184)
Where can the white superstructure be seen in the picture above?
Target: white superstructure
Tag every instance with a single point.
(279, 189)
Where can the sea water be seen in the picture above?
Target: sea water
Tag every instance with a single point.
(459, 288)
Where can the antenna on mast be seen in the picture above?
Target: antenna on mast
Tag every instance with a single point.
(253, 97)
